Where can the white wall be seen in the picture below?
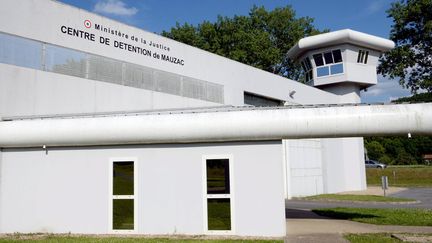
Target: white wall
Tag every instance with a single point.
(344, 168)
(305, 170)
(25, 91)
(67, 190)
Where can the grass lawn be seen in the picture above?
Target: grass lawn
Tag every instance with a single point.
(58, 239)
(413, 176)
(371, 238)
(382, 238)
(361, 198)
(383, 216)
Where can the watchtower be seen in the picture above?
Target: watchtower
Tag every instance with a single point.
(341, 62)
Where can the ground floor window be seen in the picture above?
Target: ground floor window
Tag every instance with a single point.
(123, 195)
(218, 199)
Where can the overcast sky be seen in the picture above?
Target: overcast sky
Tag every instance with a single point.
(368, 16)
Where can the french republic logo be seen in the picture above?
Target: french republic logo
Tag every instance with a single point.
(87, 23)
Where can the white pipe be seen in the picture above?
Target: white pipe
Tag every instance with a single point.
(246, 125)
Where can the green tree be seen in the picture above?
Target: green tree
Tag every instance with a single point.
(417, 98)
(411, 60)
(374, 150)
(260, 39)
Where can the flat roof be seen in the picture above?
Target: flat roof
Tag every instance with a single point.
(208, 109)
(346, 36)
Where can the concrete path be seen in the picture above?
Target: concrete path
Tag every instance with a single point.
(423, 195)
(304, 226)
(376, 190)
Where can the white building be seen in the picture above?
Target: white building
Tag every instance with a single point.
(63, 64)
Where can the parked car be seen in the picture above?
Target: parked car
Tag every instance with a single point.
(374, 164)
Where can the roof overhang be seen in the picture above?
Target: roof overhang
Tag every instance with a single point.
(345, 36)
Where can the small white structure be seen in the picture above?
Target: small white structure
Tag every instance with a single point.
(107, 128)
(341, 62)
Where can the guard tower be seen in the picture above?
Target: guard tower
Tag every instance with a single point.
(341, 62)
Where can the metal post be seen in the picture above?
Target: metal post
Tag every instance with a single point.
(384, 184)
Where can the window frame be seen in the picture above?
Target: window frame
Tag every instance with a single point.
(218, 196)
(112, 197)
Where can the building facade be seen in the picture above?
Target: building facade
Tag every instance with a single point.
(60, 62)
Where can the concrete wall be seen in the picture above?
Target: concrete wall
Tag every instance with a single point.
(317, 166)
(25, 91)
(344, 168)
(67, 190)
(305, 170)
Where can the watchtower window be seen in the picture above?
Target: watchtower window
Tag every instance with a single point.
(307, 68)
(318, 60)
(362, 56)
(328, 63)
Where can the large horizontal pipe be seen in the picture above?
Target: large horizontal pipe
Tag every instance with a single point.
(237, 125)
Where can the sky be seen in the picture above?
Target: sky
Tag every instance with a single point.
(367, 16)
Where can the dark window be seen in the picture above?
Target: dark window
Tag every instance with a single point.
(218, 194)
(219, 214)
(258, 100)
(123, 178)
(218, 181)
(309, 76)
(328, 57)
(307, 68)
(308, 63)
(123, 195)
(318, 59)
(123, 214)
(303, 66)
(362, 56)
(337, 56)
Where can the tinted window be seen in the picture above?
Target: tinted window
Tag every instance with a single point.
(219, 214)
(366, 57)
(328, 57)
(218, 181)
(123, 214)
(337, 56)
(318, 60)
(123, 178)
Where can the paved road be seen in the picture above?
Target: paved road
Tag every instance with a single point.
(304, 226)
(424, 195)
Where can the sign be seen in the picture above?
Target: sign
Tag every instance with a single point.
(131, 43)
